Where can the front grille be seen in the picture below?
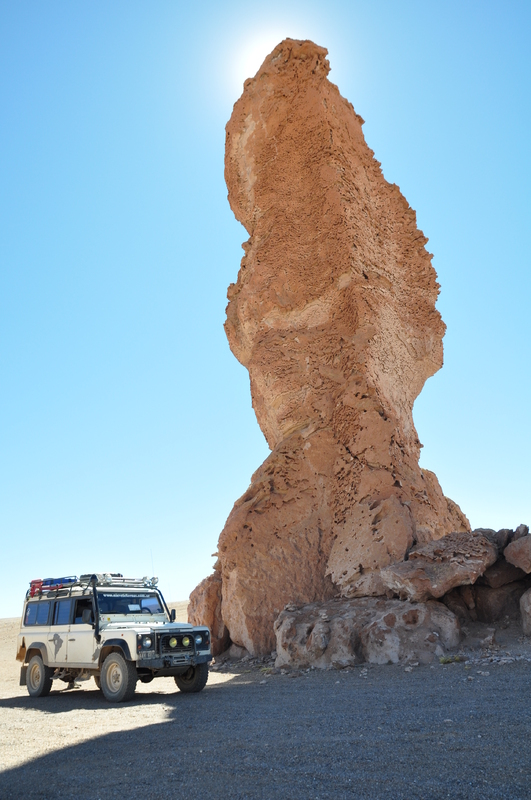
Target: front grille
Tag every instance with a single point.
(165, 648)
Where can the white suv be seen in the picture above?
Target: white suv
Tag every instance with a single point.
(117, 630)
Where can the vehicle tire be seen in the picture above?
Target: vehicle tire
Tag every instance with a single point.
(194, 680)
(97, 681)
(38, 677)
(118, 678)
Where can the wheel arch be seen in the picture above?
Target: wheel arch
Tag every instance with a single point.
(114, 646)
(36, 649)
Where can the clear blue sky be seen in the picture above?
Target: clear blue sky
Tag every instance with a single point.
(126, 424)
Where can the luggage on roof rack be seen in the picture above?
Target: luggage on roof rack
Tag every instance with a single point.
(40, 585)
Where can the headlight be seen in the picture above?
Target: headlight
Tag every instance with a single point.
(186, 641)
(198, 639)
(173, 642)
(147, 642)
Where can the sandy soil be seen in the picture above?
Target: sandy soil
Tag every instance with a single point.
(458, 730)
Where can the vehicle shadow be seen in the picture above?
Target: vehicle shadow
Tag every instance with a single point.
(90, 697)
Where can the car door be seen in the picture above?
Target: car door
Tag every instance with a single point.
(57, 640)
(81, 641)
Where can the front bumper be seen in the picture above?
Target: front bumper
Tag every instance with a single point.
(155, 662)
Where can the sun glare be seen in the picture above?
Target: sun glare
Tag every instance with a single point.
(252, 52)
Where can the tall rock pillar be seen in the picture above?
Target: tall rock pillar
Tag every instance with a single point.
(333, 314)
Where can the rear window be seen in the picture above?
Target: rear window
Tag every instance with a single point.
(37, 613)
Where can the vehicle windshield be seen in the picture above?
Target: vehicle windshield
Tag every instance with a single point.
(130, 603)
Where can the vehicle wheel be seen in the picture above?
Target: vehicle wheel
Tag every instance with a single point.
(38, 677)
(194, 680)
(97, 681)
(118, 678)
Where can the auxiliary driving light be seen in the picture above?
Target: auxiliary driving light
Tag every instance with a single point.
(186, 641)
(173, 642)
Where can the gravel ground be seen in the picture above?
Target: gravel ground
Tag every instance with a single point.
(457, 730)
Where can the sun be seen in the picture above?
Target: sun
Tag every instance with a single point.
(252, 52)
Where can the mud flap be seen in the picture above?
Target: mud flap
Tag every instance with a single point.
(23, 671)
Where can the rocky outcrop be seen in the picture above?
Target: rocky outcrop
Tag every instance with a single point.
(495, 595)
(341, 633)
(437, 567)
(334, 316)
(204, 608)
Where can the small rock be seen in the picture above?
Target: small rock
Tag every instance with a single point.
(525, 610)
(520, 532)
(519, 553)
(489, 640)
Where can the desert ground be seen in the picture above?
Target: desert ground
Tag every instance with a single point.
(457, 730)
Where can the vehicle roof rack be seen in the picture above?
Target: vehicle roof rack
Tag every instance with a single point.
(116, 580)
(41, 586)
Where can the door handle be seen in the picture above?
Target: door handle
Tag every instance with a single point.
(71, 640)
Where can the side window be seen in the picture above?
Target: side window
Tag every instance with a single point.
(80, 607)
(43, 612)
(31, 614)
(37, 613)
(62, 612)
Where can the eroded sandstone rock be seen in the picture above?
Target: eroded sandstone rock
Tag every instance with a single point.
(518, 553)
(334, 316)
(500, 538)
(204, 608)
(342, 633)
(502, 573)
(493, 605)
(525, 610)
(437, 567)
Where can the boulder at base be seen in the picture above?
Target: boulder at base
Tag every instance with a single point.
(525, 610)
(437, 567)
(341, 633)
(518, 553)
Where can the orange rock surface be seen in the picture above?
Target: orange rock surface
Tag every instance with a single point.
(333, 314)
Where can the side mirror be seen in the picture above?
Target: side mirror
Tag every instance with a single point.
(172, 615)
(86, 616)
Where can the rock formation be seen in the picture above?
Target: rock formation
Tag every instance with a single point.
(438, 567)
(341, 633)
(333, 314)
(518, 553)
(205, 605)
